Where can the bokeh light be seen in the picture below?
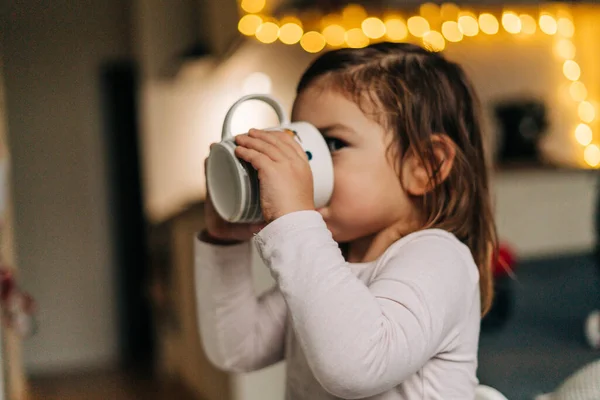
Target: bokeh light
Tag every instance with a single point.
(511, 22)
(396, 29)
(312, 42)
(253, 6)
(354, 14)
(267, 32)
(451, 31)
(429, 11)
(565, 27)
(249, 24)
(528, 24)
(548, 24)
(488, 24)
(434, 41)
(586, 111)
(564, 49)
(335, 35)
(571, 70)
(418, 26)
(583, 134)
(373, 28)
(591, 155)
(468, 24)
(449, 11)
(578, 91)
(356, 38)
(290, 33)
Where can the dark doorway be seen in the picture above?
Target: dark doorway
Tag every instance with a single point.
(119, 86)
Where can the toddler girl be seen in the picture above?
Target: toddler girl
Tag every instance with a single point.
(379, 294)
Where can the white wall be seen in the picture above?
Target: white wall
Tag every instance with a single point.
(52, 54)
(181, 117)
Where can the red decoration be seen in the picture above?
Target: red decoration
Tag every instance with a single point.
(17, 307)
(504, 261)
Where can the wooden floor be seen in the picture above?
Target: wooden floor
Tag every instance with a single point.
(105, 386)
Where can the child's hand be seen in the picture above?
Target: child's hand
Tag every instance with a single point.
(286, 182)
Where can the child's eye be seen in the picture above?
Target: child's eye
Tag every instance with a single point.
(335, 144)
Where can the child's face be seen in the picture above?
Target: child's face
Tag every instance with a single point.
(367, 195)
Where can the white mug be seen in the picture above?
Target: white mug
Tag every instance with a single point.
(233, 183)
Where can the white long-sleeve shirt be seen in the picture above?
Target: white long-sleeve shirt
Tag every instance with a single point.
(405, 326)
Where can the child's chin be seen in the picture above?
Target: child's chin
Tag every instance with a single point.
(340, 236)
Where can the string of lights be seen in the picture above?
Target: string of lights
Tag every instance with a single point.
(434, 26)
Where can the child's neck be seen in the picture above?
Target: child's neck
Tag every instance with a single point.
(358, 248)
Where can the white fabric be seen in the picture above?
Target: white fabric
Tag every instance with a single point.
(403, 327)
(582, 385)
(484, 392)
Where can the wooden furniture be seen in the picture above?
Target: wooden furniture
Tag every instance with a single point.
(179, 351)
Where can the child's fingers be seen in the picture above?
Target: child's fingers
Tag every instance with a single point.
(289, 139)
(257, 159)
(262, 146)
(278, 139)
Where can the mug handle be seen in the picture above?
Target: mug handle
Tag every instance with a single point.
(281, 114)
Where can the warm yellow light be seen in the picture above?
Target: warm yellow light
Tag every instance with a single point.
(591, 155)
(335, 35)
(583, 134)
(356, 38)
(434, 41)
(354, 14)
(396, 29)
(267, 32)
(418, 26)
(286, 19)
(548, 24)
(449, 11)
(253, 6)
(290, 19)
(511, 22)
(429, 10)
(290, 33)
(571, 70)
(373, 28)
(468, 24)
(578, 91)
(331, 19)
(586, 111)
(563, 12)
(528, 24)
(249, 24)
(564, 49)
(565, 27)
(488, 24)
(451, 31)
(312, 42)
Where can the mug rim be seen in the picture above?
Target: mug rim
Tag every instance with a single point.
(232, 159)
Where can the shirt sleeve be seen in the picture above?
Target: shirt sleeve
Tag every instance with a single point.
(363, 340)
(240, 332)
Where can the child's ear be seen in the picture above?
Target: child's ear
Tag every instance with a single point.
(417, 173)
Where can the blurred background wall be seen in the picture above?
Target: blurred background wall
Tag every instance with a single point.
(53, 52)
(192, 64)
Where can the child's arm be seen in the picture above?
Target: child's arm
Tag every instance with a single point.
(240, 332)
(360, 341)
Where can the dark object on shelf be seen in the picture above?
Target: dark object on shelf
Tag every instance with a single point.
(522, 125)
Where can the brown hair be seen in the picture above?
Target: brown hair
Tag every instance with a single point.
(416, 94)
